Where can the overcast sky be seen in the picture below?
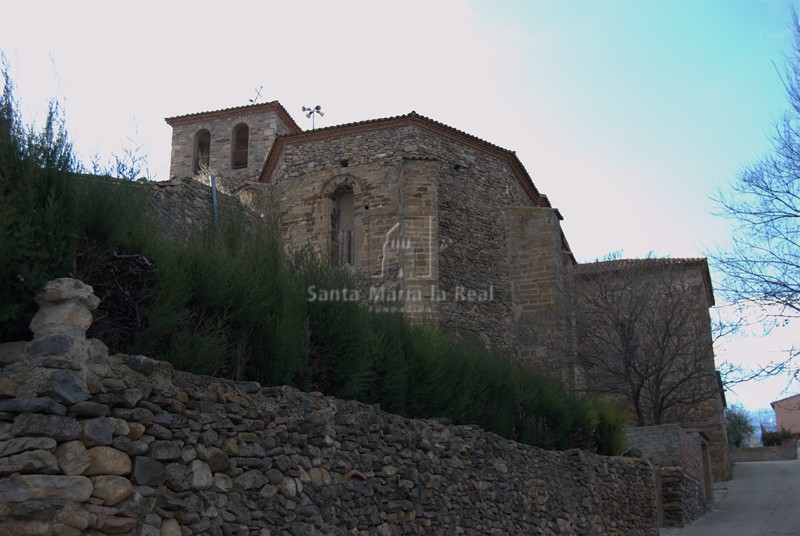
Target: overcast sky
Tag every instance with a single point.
(627, 114)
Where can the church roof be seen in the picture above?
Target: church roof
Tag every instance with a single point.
(618, 265)
(412, 118)
(273, 106)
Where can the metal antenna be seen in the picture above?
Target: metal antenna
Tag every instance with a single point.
(258, 95)
(311, 112)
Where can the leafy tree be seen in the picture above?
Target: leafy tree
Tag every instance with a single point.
(738, 426)
(762, 264)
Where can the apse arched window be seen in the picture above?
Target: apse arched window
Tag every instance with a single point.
(240, 143)
(343, 225)
(202, 150)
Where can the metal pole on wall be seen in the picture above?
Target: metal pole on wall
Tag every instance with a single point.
(214, 197)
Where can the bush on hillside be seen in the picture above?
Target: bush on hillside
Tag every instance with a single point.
(37, 217)
(777, 439)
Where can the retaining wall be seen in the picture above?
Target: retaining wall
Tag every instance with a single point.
(764, 454)
(99, 444)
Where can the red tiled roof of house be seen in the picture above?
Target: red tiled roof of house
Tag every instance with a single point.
(274, 106)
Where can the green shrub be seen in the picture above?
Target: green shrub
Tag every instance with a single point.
(776, 439)
(241, 284)
(609, 433)
(115, 212)
(37, 210)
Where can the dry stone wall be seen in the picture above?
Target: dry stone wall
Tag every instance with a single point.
(185, 207)
(99, 444)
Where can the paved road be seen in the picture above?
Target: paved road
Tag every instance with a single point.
(762, 499)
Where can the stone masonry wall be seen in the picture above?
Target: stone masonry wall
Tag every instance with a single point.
(184, 207)
(264, 127)
(681, 497)
(679, 457)
(99, 444)
(540, 286)
(474, 189)
(440, 199)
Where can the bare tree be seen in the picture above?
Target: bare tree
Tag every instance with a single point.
(131, 164)
(762, 264)
(644, 336)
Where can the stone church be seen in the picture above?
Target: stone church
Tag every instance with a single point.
(443, 224)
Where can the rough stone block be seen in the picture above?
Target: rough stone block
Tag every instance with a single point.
(111, 489)
(107, 461)
(52, 344)
(201, 475)
(65, 388)
(30, 461)
(57, 427)
(88, 409)
(20, 488)
(98, 431)
(148, 472)
(179, 477)
(21, 444)
(164, 450)
(72, 457)
(67, 289)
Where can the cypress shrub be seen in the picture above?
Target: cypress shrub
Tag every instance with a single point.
(37, 210)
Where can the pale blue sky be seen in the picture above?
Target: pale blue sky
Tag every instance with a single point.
(627, 114)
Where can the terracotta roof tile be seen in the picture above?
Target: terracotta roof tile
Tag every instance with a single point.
(386, 122)
(265, 106)
(348, 126)
(605, 267)
(623, 264)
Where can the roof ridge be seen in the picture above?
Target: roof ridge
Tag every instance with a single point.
(288, 119)
(597, 268)
(410, 115)
(621, 264)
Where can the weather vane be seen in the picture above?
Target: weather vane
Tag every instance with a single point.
(311, 112)
(258, 95)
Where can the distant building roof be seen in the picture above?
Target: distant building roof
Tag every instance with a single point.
(790, 402)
